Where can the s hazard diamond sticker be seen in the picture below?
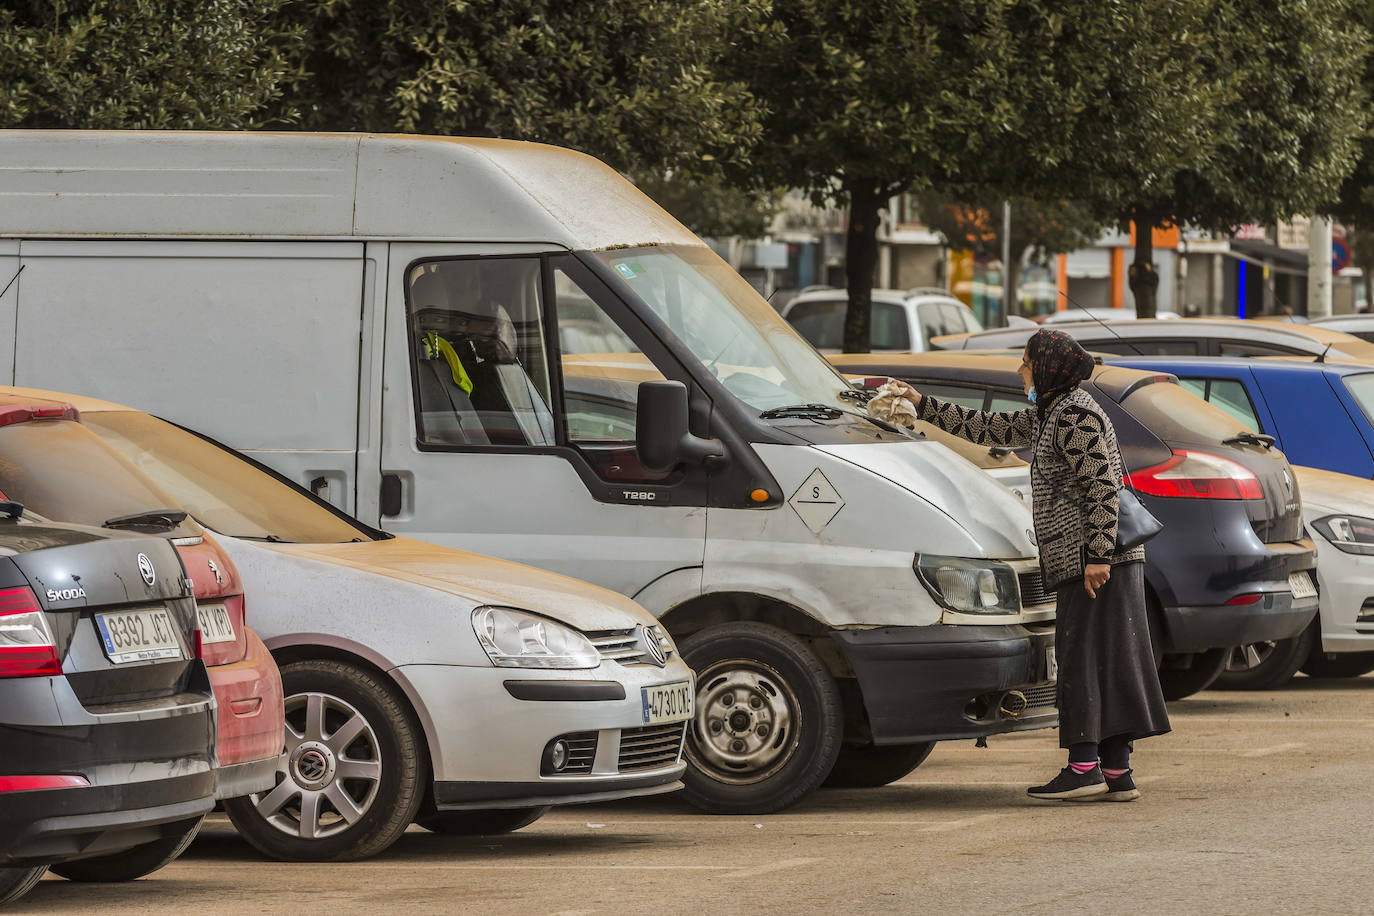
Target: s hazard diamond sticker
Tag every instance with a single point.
(816, 501)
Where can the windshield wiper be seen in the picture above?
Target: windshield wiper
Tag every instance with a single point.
(153, 518)
(1248, 438)
(803, 411)
(268, 538)
(11, 508)
(857, 396)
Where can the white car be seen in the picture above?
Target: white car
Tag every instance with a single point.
(422, 683)
(1338, 510)
(1073, 313)
(902, 322)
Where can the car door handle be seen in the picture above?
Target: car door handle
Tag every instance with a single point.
(392, 495)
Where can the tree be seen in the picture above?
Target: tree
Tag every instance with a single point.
(142, 64)
(630, 81)
(1038, 229)
(869, 98)
(711, 206)
(1229, 112)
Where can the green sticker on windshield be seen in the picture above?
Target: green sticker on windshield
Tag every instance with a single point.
(626, 271)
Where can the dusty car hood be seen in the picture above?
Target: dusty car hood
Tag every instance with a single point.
(480, 579)
(1326, 492)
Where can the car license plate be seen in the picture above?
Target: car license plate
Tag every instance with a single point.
(1301, 585)
(137, 636)
(1051, 665)
(215, 625)
(666, 702)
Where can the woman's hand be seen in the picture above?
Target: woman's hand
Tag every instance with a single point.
(910, 393)
(1095, 575)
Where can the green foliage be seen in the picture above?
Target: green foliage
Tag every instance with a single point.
(711, 206)
(633, 82)
(1039, 229)
(140, 63)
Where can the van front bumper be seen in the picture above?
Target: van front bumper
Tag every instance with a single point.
(949, 681)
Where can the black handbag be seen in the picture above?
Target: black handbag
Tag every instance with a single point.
(1134, 523)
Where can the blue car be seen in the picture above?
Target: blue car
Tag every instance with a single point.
(1319, 413)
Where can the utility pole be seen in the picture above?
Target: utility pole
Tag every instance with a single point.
(1319, 267)
(1007, 284)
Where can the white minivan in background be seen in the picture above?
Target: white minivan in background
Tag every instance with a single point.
(505, 347)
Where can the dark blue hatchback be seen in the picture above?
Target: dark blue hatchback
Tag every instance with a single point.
(1319, 413)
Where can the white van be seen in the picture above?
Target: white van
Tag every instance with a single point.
(506, 348)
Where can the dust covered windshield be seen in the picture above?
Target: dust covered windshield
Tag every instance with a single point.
(728, 326)
(223, 491)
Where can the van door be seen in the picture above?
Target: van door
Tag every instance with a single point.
(508, 421)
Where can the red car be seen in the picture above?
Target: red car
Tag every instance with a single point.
(92, 484)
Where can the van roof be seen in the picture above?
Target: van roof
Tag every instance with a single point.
(205, 184)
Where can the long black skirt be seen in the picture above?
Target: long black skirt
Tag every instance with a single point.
(1108, 685)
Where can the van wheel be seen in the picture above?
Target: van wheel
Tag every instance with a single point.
(768, 720)
(16, 882)
(1344, 664)
(873, 765)
(1184, 675)
(1266, 665)
(351, 777)
(480, 823)
(133, 863)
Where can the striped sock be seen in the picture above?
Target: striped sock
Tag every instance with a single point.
(1113, 773)
(1081, 768)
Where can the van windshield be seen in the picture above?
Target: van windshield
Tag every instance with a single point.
(223, 491)
(728, 326)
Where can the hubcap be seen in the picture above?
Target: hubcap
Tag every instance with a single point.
(329, 773)
(746, 722)
(1251, 655)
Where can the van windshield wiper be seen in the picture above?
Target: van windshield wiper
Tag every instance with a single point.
(803, 411)
(153, 518)
(1248, 438)
(857, 396)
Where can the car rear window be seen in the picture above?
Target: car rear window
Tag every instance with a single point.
(822, 324)
(1361, 388)
(1176, 415)
(66, 473)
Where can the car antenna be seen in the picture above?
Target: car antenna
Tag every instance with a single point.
(12, 279)
(1104, 324)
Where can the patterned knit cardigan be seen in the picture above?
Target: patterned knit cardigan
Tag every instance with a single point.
(1075, 475)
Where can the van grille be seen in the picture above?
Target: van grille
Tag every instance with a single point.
(581, 755)
(651, 747)
(627, 646)
(1039, 697)
(1033, 592)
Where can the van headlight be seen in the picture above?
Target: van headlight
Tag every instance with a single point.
(970, 586)
(517, 639)
(1349, 533)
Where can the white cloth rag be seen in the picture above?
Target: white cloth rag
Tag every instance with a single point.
(890, 406)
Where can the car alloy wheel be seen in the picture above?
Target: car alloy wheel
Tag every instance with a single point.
(328, 775)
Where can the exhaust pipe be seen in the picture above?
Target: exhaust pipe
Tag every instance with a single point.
(1013, 703)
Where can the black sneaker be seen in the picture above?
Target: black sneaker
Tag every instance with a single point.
(1122, 788)
(1070, 784)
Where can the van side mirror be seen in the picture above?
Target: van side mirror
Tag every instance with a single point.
(661, 434)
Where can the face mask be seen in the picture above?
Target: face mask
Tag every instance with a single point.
(1030, 395)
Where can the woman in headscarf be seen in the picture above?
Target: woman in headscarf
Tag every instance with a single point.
(1108, 689)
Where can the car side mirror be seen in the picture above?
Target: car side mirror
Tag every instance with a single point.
(661, 434)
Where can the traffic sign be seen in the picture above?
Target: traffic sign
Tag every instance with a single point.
(1340, 254)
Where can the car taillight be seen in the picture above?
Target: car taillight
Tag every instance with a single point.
(27, 647)
(1252, 598)
(1198, 475)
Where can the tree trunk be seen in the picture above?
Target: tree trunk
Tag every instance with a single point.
(1011, 282)
(1143, 278)
(860, 261)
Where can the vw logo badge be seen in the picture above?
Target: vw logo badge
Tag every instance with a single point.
(653, 646)
(145, 568)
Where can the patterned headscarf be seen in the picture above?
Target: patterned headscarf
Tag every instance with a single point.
(1058, 364)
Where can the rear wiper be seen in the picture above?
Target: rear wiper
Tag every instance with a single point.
(269, 538)
(803, 411)
(1248, 438)
(999, 451)
(153, 518)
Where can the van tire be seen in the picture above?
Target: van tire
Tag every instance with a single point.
(1345, 664)
(391, 738)
(133, 863)
(872, 765)
(16, 882)
(1204, 668)
(486, 822)
(1274, 665)
(763, 677)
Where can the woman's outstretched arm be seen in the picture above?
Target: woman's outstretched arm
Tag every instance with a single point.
(1010, 429)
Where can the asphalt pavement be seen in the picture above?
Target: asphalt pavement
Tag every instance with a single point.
(1258, 802)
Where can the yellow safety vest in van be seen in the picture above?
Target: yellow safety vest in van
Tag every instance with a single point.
(435, 347)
